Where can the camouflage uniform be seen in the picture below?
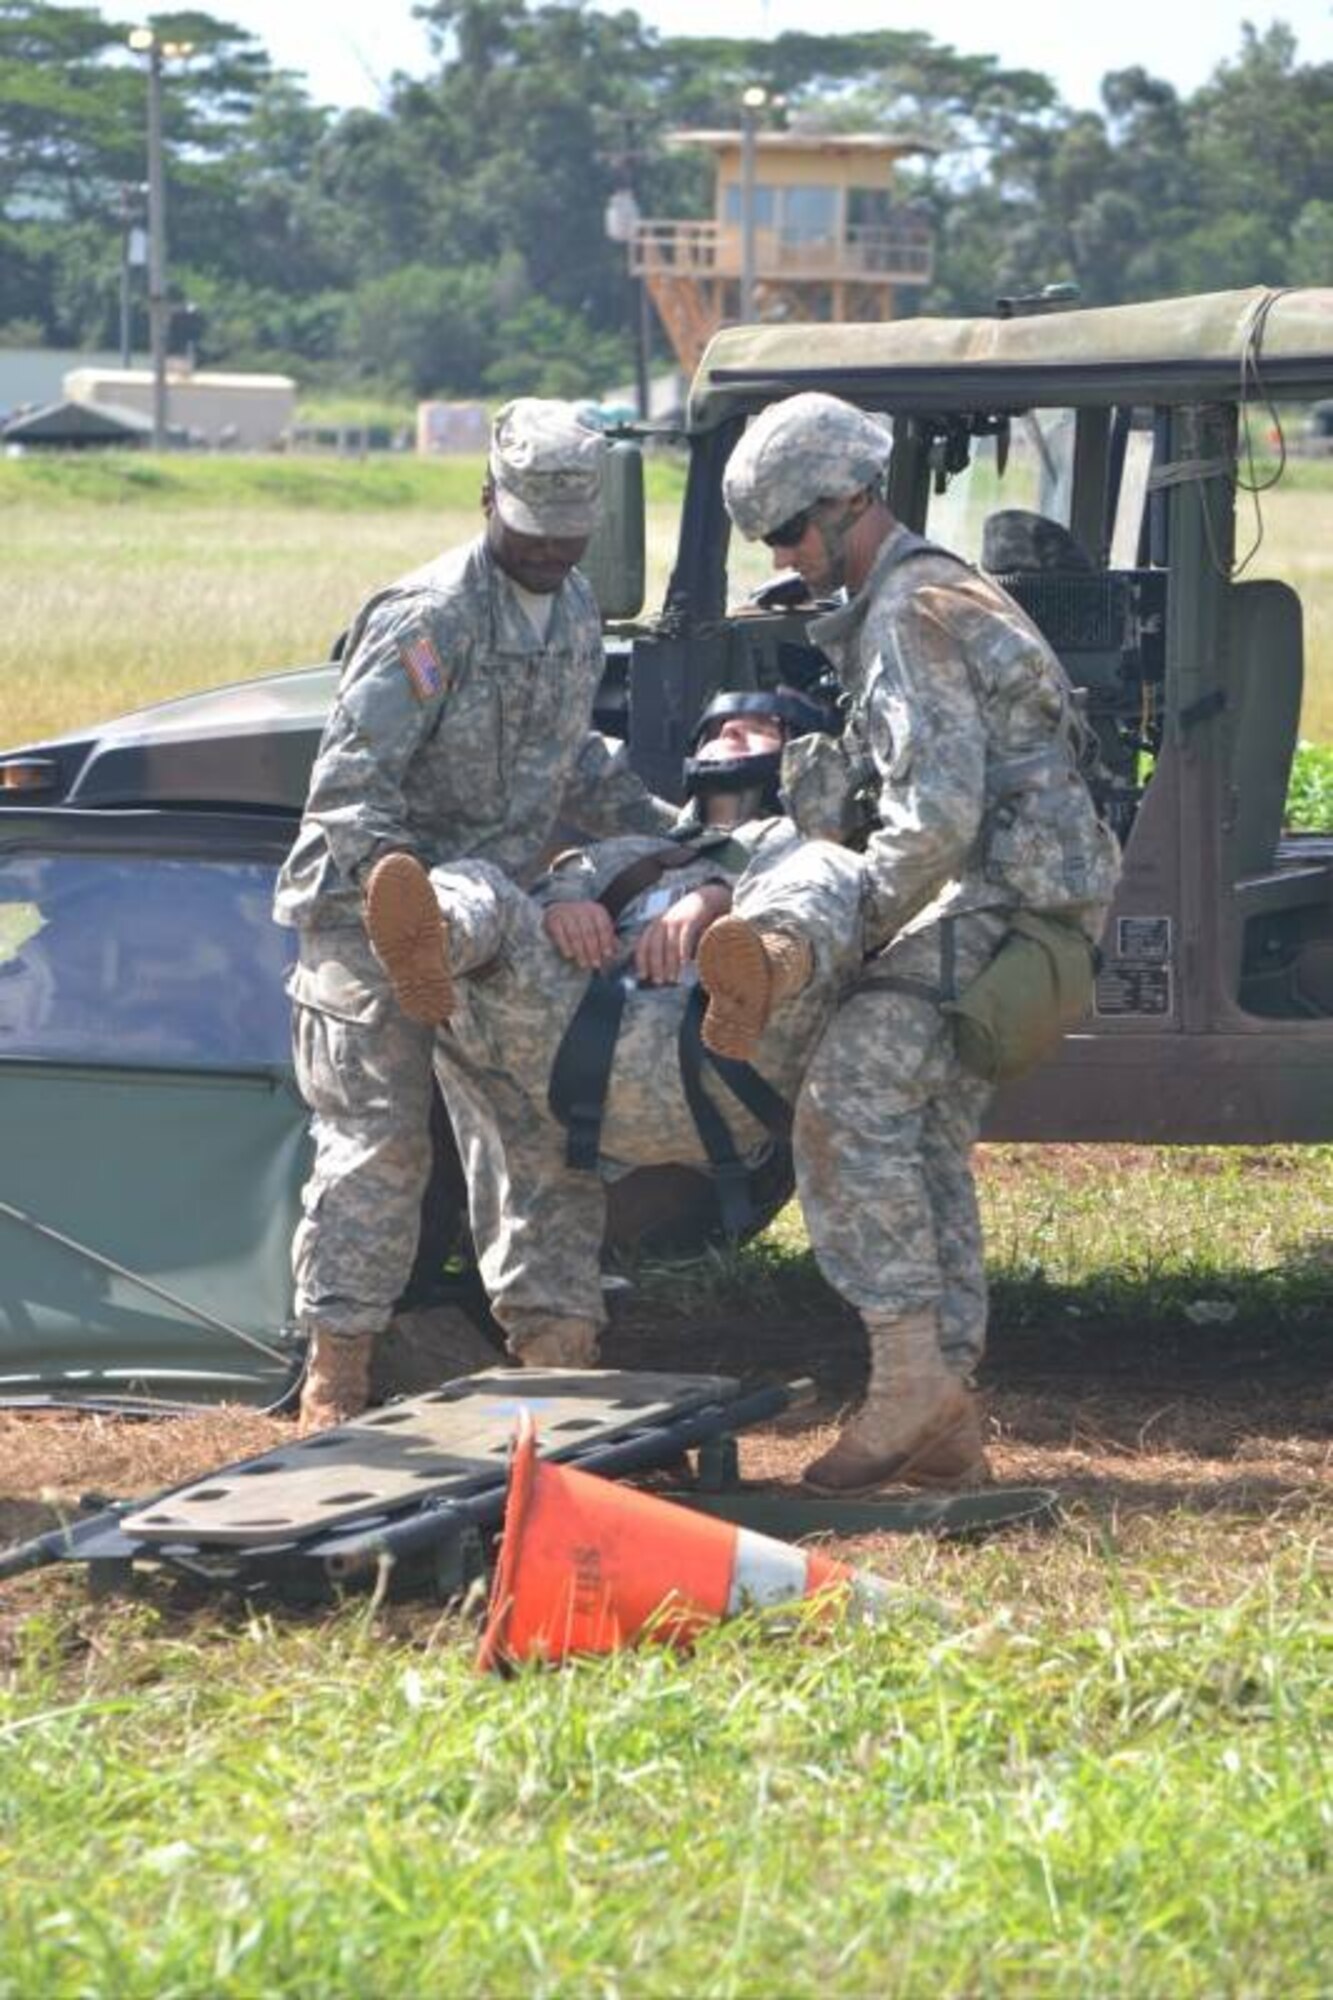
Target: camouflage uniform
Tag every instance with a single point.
(539, 1224)
(456, 731)
(958, 709)
(962, 744)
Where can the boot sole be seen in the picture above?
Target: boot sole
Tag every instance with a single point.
(734, 972)
(410, 937)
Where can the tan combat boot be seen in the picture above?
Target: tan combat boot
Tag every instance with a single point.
(337, 1379)
(746, 973)
(555, 1343)
(919, 1425)
(410, 937)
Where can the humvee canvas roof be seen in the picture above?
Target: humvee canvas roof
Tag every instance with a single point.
(1223, 345)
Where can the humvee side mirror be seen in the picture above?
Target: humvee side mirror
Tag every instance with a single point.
(614, 561)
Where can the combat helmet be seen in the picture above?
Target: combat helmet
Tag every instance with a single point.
(801, 450)
(758, 771)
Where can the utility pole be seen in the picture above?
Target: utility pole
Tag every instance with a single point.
(753, 101)
(145, 43)
(622, 222)
(133, 251)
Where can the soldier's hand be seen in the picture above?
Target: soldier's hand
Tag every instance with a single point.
(582, 933)
(672, 939)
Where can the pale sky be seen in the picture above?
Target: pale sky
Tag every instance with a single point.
(348, 49)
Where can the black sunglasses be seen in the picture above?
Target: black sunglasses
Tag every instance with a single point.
(789, 533)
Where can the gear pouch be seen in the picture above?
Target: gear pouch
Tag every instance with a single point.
(828, 794)
(1038, 984)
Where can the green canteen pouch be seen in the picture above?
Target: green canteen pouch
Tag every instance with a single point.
(1038, 984)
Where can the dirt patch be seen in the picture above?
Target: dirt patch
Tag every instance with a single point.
(1133, 1426)
(1102, 1163)
(56, 1461)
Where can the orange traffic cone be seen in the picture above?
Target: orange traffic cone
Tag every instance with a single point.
(590, 1566)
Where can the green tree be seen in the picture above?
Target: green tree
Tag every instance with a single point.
(1312, 245)
(425, 330)
(73, 115)
(546, 351)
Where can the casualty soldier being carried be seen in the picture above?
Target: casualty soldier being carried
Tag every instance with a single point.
(594, 1069)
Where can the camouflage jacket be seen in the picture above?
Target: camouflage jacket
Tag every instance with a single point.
(457, 732)
(962, 729)
(721, 855)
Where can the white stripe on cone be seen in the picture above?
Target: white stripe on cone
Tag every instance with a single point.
(765, 1572)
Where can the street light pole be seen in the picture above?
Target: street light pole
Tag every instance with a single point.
(622, 220)
(753, 101)
(144, 42)
(126, 222)
(622, 223)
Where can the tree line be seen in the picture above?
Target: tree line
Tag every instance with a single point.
(454, 241)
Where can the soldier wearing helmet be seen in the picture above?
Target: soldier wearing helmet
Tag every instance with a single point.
(461, 727)
(962, 733)
(594, 1068)
(733, 757)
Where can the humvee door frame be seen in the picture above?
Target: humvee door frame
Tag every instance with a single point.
(1213, 1018)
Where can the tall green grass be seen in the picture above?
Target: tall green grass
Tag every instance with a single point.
(1133, 1802)
(127, 578)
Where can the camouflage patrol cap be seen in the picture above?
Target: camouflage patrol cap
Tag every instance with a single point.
(805, 448)
(546, 468)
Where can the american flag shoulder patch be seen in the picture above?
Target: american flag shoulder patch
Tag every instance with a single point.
(423, 666)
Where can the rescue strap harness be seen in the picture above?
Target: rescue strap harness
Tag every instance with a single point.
(581, 1072)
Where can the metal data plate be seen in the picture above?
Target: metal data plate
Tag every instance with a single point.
(451, 1442)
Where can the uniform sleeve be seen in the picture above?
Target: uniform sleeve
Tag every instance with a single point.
(571, 878)
(392, 694)
(927, 740)
(605, 795)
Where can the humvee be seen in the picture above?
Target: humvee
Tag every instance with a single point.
(155, 1145)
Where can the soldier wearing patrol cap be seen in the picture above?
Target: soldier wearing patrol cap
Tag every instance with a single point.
(963, 758)
(461, 728)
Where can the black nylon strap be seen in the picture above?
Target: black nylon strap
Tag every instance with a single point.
(754, 1091)
(582, 1068)
(728, 854)
(731, 1177)
(581, 1074)
(948, 961)
(899, 982)
(640, 875)
(919, 989)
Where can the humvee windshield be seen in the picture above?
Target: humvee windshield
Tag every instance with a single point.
(132, 960)
(1029, 465)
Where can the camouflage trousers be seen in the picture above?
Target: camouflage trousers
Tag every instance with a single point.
(364, 1070)
(537, 1223)
(883, 1140)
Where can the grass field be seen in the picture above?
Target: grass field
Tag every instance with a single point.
(1106, 1774)
(126, 579)
(1135, 1802)
(129, 579)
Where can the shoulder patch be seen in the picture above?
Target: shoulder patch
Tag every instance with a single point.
(423, 666)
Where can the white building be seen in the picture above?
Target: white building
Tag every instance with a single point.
(246, 412)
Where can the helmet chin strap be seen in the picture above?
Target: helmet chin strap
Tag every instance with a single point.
(731, 789)
(834, 531)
